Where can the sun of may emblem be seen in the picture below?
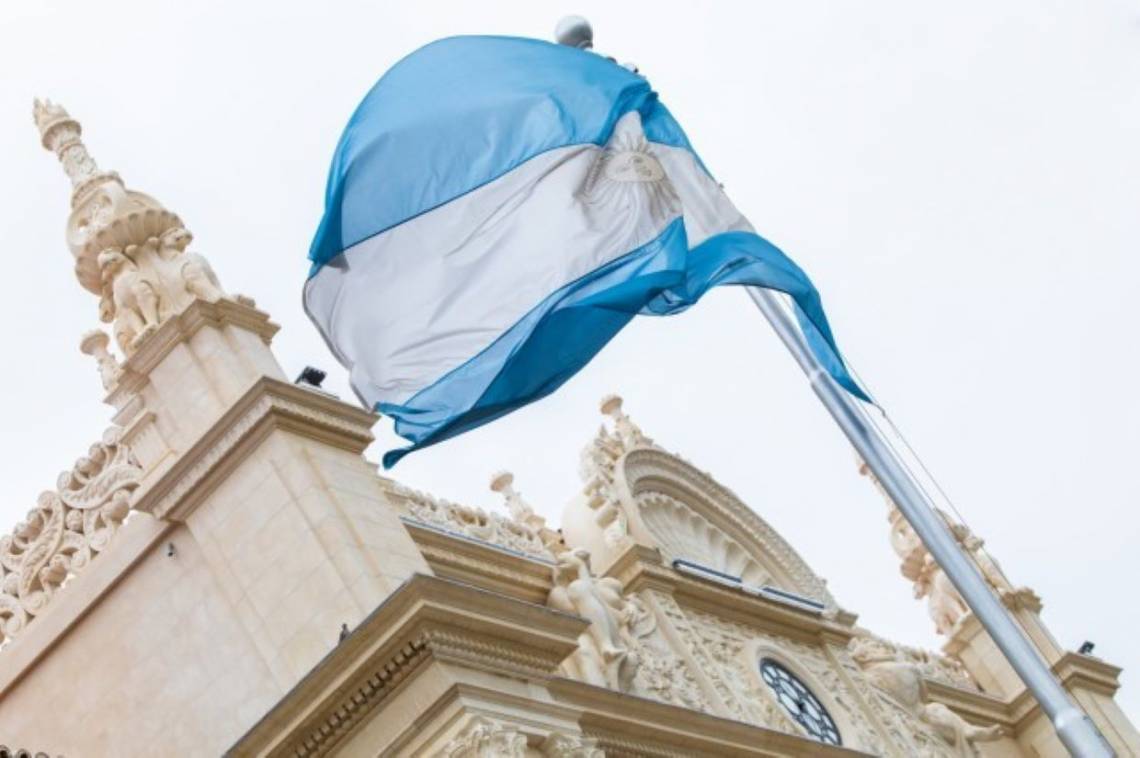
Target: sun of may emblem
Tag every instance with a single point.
(632, 166)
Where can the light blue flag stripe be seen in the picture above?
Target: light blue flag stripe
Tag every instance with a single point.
(492, 112)
(461, 116)
(562, 334)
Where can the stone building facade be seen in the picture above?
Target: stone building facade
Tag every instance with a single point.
(224, 573)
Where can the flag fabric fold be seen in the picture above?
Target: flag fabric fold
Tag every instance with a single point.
(497, 210)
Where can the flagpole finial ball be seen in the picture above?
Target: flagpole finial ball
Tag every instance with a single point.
(574, 31)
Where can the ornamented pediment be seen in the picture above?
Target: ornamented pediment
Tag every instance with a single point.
(636, 492)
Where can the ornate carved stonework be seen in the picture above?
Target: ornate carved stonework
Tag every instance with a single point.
(521, 512)
(604, 655)
(933, 666)
(65, 530)
(901, 680)
(729, 653)
(664, 675)
(94, 343)
(944, 603)
(128, 249)
(472, 522)
(598, 467)
(560, 745)
(634, 491)
(484, 738)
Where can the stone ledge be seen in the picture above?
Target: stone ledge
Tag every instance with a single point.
(427, 619)
(628, 725)
(181, 327)
(641, 568)
(465, 559)
(975, 707)
(269, 404)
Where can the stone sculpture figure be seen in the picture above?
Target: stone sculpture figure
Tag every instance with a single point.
(128, 298)
(903, 681)
(944, 603)
(194, 271)
(604, 652)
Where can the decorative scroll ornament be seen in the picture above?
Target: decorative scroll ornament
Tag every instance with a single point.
(128, 249)
(65, 530)
(944, 602)
(902, 680)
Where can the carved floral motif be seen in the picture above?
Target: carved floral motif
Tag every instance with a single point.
(664, 675)
(65, 530)
(559, 745)
(729, 653)
(484, 738)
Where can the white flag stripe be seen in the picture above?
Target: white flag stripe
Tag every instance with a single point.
(407, 306)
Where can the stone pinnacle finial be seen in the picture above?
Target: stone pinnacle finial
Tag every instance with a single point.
(129, 250)
(628, 433)
(60, 133)
(503, 483)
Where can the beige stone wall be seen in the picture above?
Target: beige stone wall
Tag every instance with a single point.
(301, 541)
(161, 665)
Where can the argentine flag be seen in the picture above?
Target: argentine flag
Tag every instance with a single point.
(496, 211)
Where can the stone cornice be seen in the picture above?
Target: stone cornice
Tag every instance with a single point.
(1075, 671)
(618, 721)
(427, 618)
(640, 568)
(181, 327)
(975, 707)
(269, 404)
(481, 564)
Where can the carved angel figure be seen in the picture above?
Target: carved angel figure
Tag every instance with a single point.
(604, 649)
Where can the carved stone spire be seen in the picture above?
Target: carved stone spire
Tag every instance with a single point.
(128, 249)
(60, 133)
(945, 604)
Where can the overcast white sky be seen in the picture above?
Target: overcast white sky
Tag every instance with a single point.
(962, 181)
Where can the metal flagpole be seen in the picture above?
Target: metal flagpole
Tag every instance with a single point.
(1075, 729)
